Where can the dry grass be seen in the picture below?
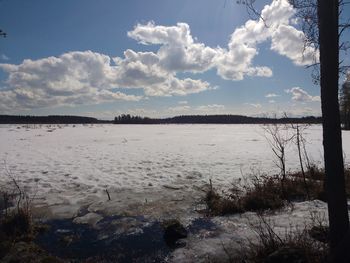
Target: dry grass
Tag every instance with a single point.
(16, 223)
(260, 193)
(293, 246)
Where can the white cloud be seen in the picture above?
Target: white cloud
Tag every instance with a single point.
(180, 87)
(201, 109)
(255, 105)
(72, 79)
(289, 42)
(144, 70)
(182, 102)
(77, 78)
(271, 95)
(89, 77)
(302, 111)
(152, 34)
(179, 109)
(298, 94)
(178, 51)
(275, 24)
(210, 108)
(272, 101)
(139, 69)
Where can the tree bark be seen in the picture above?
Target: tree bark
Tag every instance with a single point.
(301, 162)
(332, 142)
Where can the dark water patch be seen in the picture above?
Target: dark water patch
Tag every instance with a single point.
(114, 239)
(200, 224)
(83, 210)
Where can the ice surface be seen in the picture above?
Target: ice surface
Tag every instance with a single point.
(235, 232)
(69, 167)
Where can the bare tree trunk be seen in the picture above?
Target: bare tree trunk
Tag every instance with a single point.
(333, 156)
(301, 162)
(278, 139)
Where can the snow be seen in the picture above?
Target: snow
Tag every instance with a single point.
(236, 232)
(154, 169)
(158, 171)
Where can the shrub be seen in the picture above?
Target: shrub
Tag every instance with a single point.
(15, 215)
(17, 224)
(293, 246)
(262, 192)
(221, 205)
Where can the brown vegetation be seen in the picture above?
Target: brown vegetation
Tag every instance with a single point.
(264, 192)
(293, 246)
(17, 229)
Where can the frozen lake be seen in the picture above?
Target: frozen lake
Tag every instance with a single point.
(73, 165)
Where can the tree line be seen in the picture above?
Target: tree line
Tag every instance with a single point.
(51, 119)
(213, 119)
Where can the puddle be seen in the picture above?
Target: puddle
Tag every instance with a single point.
(113, 239)
(200, 224)
(140, 243)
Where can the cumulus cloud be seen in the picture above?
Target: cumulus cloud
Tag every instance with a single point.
(271, 95)
(255, 105)
(187, 109)
(298, 94)
(211, 107)
(73, 78)
(302, 111)
(175, 86)
(89, 77)
(144, 70)
(179, 109)
(178, 51)
(288, 41)
(274, 24)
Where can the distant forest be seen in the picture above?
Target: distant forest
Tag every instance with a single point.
(212, 119)
(51, 119)
(129, 119)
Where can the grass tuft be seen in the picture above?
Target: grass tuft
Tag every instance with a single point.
(262, 192)
(292, 246)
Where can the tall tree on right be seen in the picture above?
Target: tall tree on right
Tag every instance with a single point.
(320, 24)
(328, 40)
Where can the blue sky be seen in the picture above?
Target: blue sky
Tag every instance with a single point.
(154, 58)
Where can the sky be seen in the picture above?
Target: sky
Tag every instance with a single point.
(155, 58)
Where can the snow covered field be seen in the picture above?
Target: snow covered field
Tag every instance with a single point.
(69, 167)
